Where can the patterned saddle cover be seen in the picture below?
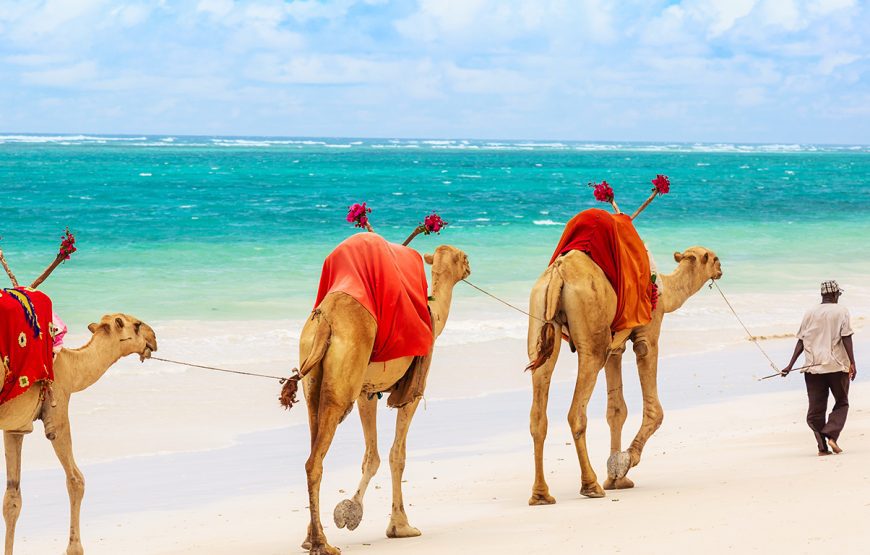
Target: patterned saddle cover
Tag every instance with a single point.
(26, 340)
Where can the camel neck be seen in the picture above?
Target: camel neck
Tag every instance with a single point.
(81, 368)
(439, 305)
(678, 286)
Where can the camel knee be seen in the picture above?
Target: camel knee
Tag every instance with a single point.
(75, 482)
(656, 416)
(12, 500)
(616, 410)
(577, 423)
(641, 348)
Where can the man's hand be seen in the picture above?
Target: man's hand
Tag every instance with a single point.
(852, 371)
(784, 372)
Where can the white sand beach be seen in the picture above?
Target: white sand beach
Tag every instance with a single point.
(185, 461)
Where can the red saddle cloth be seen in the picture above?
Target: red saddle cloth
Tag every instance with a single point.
(26, 339)
(390, 282)
(611, 241)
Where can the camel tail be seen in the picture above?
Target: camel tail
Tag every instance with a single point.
(544, 305)
(322, 336)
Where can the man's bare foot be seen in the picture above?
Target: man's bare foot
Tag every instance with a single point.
(824, 453)
(834, 447)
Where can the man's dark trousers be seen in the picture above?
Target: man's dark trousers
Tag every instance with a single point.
(818, 386)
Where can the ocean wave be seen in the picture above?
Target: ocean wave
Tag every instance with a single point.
(547, 222)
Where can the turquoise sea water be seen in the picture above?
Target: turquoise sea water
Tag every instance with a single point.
(236, 228)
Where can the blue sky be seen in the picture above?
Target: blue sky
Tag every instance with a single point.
(646, 70)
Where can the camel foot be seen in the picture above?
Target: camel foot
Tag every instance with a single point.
(75, 549)
(834, 447)
(541, 499)
(348, 513)
(324, 549)
(306, 545)
(402, 531)
(592, 490)
(618, 465)
(618, 483)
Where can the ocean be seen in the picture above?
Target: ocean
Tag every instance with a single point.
(232, 229)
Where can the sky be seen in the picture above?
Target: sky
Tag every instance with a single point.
(774, 71)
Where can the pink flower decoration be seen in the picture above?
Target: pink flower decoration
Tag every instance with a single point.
(662, 184)
(433, 223)
(67, 244)
(358, 214)
(602, 191)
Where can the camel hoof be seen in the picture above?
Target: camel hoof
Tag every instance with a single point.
(324, 549)
(75, 550)
(618, 465)
(618, 483)
(306, 545)
(402, 531)
(593, 490)
(541, 499)
(348, 513)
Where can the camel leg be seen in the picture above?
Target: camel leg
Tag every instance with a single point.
(541, 378)
(617, 412)
(647, 366)
(399, 527)
(589, 366)
(12, 500)
(75, 484)
(311, 389)
(350, 511)
(342, 373)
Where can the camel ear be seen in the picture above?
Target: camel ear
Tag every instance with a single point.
(677, 257)
(119, 323)
(93, 328)
(428, 258)
(706, 257)
(136, 327)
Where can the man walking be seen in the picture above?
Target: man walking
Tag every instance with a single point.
(825, 336)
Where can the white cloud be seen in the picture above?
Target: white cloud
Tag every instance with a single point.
(68, 76)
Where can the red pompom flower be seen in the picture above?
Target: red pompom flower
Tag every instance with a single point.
(603, 192)
(67, 244)
(662, 184)
(433, 223)
(358, 214)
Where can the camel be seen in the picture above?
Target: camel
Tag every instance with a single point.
(336, 346)
(116, 336)
(574, 292)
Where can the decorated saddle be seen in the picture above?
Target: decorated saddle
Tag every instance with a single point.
(613, 244)
(390, 282)
(26, 341)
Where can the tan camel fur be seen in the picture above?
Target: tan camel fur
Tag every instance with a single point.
(336, 346)
(574, 292)
(116, 336)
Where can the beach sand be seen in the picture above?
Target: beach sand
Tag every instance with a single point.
(191, 462)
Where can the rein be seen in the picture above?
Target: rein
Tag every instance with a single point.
(504, 302)
(280, 379)
(752, 337)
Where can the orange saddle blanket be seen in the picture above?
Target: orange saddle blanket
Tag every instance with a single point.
(26, 339)
(390, 282)
(611, 241)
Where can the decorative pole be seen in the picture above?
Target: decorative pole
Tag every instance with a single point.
(604, 193)
(431, 224)
(67, 247)
(358, 216)
(8, 269)
(662, 186)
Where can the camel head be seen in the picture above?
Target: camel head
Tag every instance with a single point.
(700, 262)
(134, 335)
(448, 263)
